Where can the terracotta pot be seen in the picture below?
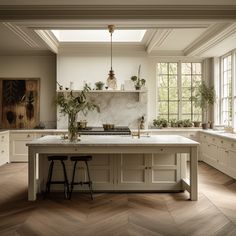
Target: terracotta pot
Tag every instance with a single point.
(196, 123)
(204, 125)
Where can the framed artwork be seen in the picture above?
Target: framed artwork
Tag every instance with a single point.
(19, 103)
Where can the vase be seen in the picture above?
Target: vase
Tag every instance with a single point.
(72, 129)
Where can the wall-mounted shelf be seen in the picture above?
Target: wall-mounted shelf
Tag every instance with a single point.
(105, 91)
(139, 92)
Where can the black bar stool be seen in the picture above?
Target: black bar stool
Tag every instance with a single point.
(89, 182)
(50, 172)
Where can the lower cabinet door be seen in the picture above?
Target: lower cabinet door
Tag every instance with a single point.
(132, 172)
(231, 164)
(165, 171)
(102, 171)
(210, 154)
(222, 159)
(18, 148)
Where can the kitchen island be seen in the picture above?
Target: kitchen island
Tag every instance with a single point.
(131, 164)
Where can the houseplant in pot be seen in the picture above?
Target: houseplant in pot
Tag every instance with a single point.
(138, 82)
(99, 85)
(204, 97)
(71, 104)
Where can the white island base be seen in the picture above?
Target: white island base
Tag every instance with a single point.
(120, 163)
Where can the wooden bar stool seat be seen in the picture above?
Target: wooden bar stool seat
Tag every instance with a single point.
(84, 159)
(50, 173)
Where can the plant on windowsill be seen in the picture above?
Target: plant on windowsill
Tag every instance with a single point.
(138, 82)
(71, 104)
(204, 98)
(160, 123)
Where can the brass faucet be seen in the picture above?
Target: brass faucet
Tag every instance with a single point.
(140, 124)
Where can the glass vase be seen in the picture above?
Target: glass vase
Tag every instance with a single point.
(72, 129)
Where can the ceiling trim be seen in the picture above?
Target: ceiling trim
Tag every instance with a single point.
(51, 42)
(158, 38)
(20, 33)
(8, 12)
(216, 35)
(101, 48)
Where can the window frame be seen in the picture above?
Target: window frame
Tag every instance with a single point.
(179, 84)
(233, 94)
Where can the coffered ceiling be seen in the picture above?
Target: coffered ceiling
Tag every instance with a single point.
(206, 34)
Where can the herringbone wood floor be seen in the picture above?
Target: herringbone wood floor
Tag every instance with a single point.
(118, 214)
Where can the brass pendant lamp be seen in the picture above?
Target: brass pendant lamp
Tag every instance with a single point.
(111, 80)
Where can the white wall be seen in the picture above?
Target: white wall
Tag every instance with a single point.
(93, 68)
(43, 67)
(121, 109)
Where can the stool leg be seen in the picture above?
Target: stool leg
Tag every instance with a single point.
(73, 178)
(48, 185)
(89, 179)
(66, 185)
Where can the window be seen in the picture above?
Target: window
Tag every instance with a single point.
(175, 86)
(191, 77)
(168, 101)
(98, 35)
(226, 91)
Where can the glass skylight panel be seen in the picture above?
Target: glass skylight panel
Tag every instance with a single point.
(98, 35)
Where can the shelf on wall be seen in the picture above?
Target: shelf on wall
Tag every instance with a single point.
(139, 92)
(105, 91)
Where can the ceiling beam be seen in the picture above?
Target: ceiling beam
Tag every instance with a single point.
(50, 41)
(158, 38)
(213, 36)
(16, 12)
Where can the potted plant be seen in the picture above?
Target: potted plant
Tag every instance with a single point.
(138, 82)
(160, 123)
(71, 104)
(203, 98)
(99, 85)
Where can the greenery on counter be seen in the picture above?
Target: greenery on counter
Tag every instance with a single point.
(71, 104)
(163, 123)
(160, 123)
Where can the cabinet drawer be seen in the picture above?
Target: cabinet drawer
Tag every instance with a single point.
(3, 138)
(23, 136)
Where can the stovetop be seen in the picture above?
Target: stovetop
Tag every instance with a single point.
(118, 130)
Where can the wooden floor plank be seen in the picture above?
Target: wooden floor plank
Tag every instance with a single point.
(134, 214)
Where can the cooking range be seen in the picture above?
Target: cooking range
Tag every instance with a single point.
(118, 130)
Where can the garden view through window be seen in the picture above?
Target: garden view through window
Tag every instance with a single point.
(176, 83)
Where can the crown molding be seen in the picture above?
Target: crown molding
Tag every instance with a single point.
(158, 38)
(214, 36)
(51, 42)
(167, 53)
(10, 12)
(20, 33)
(101, 49)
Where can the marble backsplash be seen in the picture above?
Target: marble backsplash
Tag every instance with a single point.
(119, 108)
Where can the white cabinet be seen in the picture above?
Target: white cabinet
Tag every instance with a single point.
(18, 140)
(232, 163)
(102, 171)
(165, 171)
(160, 171)
(4, 148)
(18, 148)
(219, 152)
(132, 172)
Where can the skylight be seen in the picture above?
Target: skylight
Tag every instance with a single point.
(98, 35)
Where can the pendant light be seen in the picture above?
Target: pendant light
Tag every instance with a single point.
(111, 80)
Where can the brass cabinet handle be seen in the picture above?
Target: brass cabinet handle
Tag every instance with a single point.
(226, 151)
(28, 135)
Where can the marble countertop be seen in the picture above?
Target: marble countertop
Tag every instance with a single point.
(104, 140)
(222, 134)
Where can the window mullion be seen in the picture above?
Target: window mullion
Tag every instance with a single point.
(179, 84)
